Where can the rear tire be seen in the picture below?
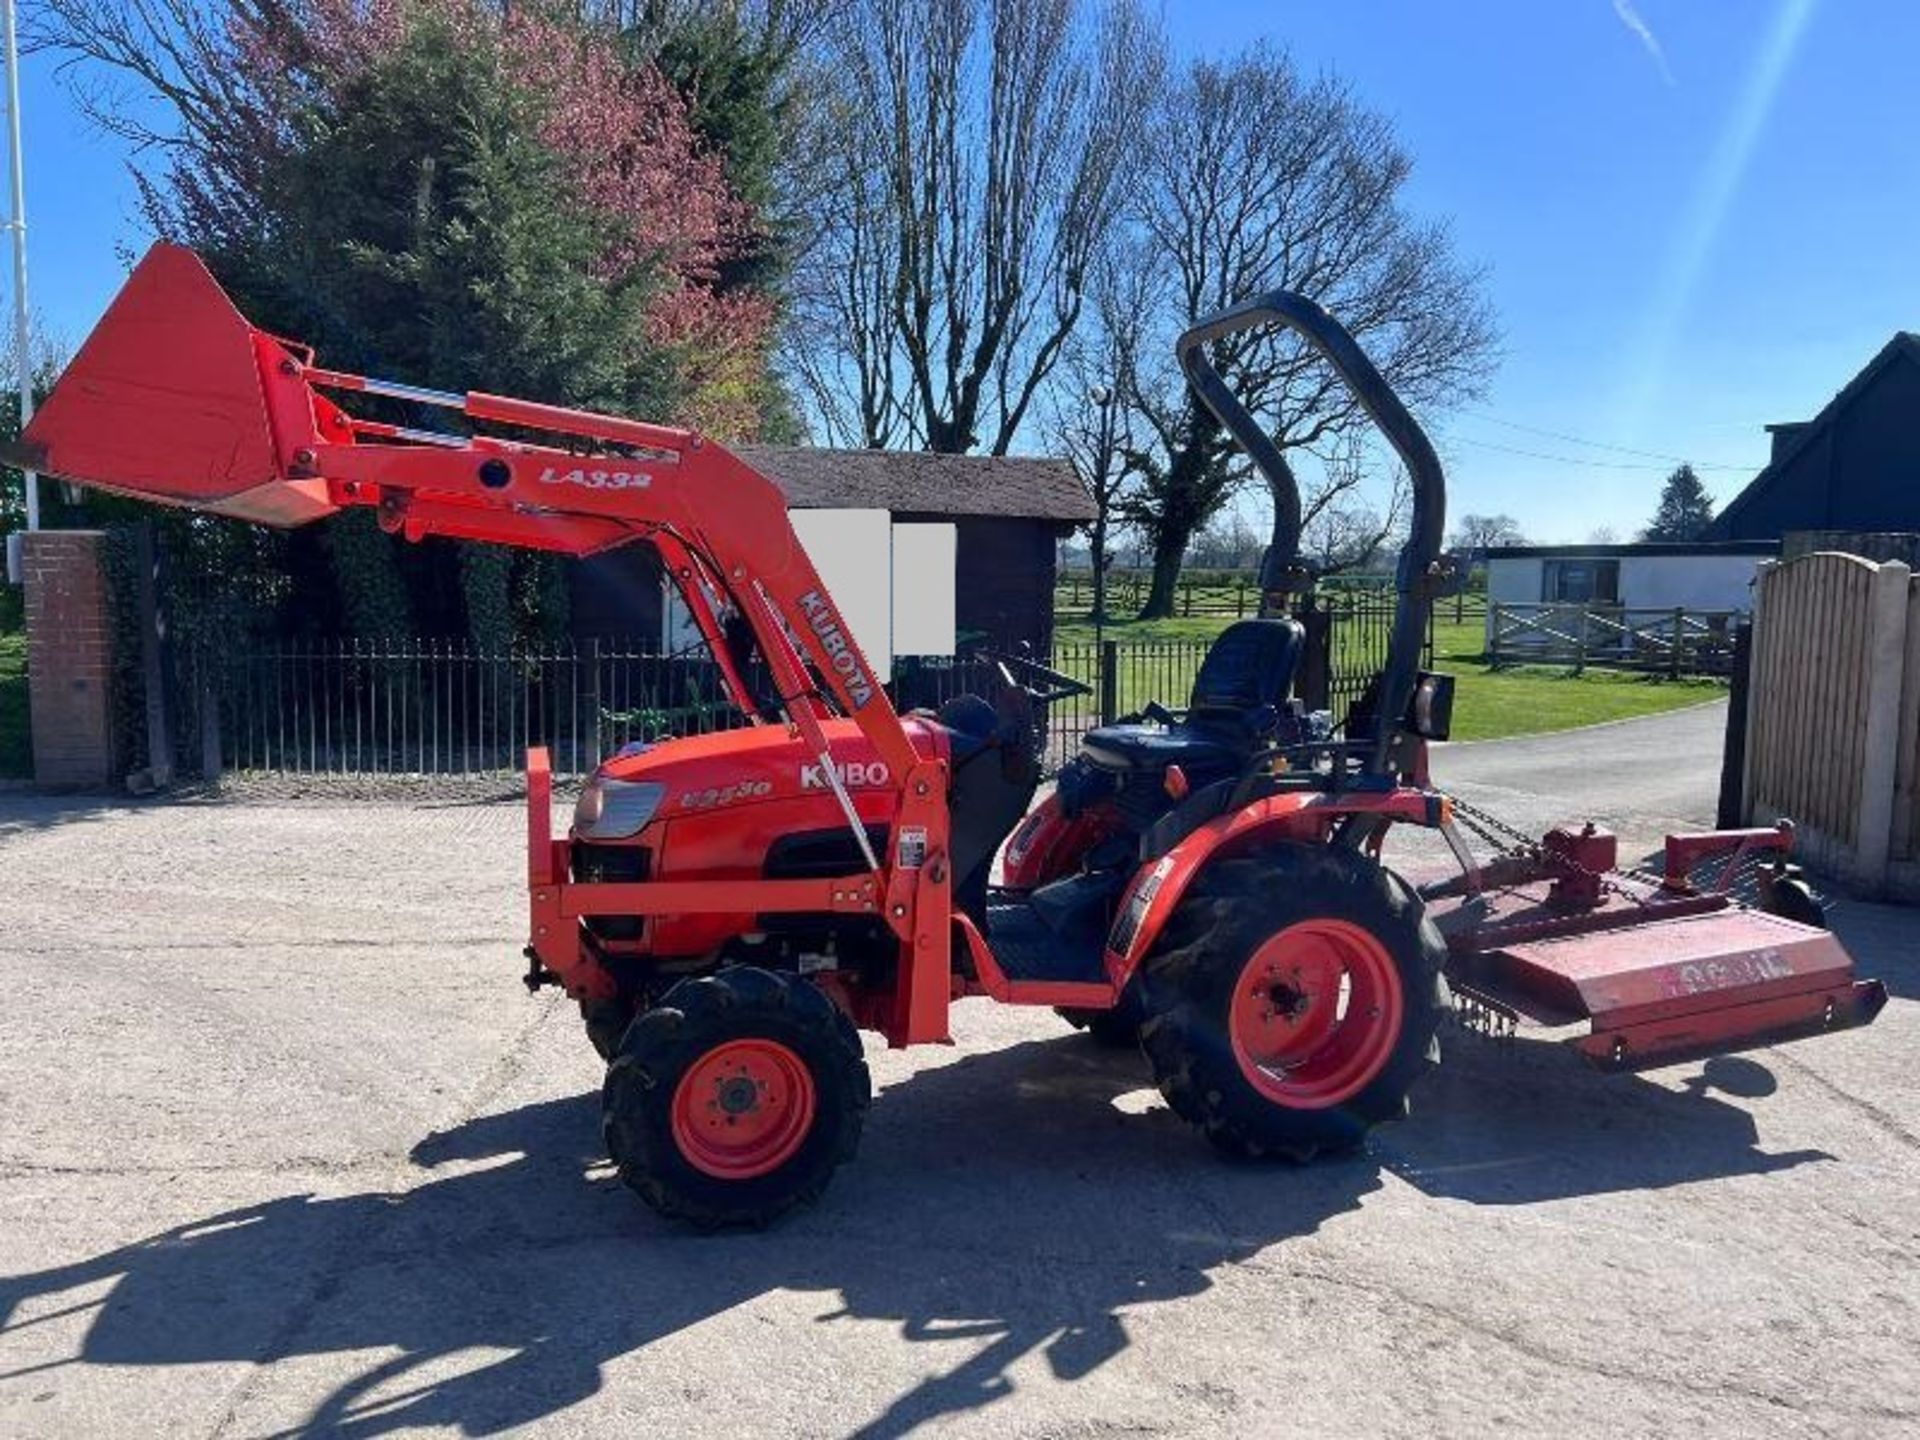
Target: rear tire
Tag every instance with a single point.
(1295, 999)
(1115, 1029)
(735, 1098)
(1791, 898)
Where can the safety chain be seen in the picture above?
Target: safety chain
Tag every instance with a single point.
(1510, 841)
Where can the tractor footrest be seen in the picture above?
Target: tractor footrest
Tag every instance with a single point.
(1027, 962)
(1029, 949)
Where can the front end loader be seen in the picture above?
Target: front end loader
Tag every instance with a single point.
(730, 910)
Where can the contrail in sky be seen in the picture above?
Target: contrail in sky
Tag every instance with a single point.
(1713, 195)
(1630, 17)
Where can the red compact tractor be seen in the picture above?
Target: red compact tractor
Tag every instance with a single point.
(730, 910)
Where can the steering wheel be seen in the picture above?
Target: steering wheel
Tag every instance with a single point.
(1020, 673)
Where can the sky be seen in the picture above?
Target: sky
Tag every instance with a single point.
(1698, 217)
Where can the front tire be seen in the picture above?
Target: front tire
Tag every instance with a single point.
(606, 1022)
(735, 1098)
(1296, 996)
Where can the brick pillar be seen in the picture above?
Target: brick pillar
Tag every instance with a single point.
(69, 657)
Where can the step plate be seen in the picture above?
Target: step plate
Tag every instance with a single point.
(1028, 950)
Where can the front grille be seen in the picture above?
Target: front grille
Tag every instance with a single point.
(612, 864)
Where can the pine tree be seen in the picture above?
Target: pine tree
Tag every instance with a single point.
(1686, 509)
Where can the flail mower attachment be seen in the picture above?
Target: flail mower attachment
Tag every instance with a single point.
(1636, 970)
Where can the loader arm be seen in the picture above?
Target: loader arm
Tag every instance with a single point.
(175, 398)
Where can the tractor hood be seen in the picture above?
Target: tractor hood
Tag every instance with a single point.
(697, 774)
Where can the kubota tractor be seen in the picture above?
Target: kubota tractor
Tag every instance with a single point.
(730, 910)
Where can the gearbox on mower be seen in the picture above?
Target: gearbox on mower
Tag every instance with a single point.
(730, 910)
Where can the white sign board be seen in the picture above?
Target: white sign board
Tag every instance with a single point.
(924, 582)
(894, 584)
(852, 550)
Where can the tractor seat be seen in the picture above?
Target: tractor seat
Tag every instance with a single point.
(1241, 688)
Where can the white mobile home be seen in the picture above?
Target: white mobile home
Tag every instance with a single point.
(1697, 576)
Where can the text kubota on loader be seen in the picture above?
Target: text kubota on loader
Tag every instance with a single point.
(729, 910)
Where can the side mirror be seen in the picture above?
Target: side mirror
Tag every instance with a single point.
(1430, 712)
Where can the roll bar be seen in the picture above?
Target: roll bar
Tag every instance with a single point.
(1280, 570)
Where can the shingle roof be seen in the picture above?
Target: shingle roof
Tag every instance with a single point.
(913, 482)
(1801, 434)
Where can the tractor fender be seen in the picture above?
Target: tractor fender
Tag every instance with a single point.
(1288, 817)
(1049, 843)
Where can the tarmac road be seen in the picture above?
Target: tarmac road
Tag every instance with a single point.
(287, 1150)
(1641, 777)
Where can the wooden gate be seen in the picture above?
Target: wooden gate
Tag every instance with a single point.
(1833, 715)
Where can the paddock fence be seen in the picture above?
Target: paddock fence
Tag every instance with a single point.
(1667, 641)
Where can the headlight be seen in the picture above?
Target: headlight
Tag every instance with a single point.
(615, 809)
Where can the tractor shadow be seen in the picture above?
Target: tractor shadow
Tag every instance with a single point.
(1006, 1204)
(1523, 1123)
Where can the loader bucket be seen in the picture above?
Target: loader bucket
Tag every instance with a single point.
(1647, 977)
(165, 402)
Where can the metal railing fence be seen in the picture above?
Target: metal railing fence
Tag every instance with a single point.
(447, 707)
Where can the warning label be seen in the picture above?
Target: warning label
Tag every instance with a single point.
(913, 846)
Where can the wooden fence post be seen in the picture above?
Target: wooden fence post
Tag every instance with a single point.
(1880, 757)
(1493, 632)
(1730, 812)
(1673, 651)
(1906, 806)
(1759, 683)
(1580, 641)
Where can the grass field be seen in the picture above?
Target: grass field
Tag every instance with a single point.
(1488, 703)
(16, 751)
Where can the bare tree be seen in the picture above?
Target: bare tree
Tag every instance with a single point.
(1259, 179)
(1479, 532)
(970, 168)
(1090, 417)
(1341, 525)
(168, 77)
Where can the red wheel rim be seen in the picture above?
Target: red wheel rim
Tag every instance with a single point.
(1315, 1014)
(743, 1109)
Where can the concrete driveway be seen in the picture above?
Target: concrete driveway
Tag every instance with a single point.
(288, 1151)
(1643, 777)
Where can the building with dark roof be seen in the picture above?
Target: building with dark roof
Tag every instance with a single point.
(1007, 512)
(1854, 467)
(1648, 575)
